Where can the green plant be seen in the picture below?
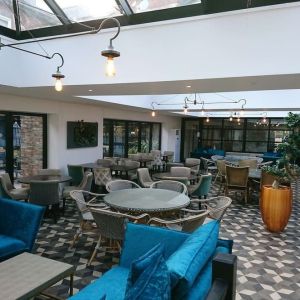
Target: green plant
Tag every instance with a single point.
(290, 148)
(279, 173)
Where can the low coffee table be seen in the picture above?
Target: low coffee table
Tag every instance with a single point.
(27, 275)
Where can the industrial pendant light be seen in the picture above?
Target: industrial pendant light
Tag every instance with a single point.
(58, 75)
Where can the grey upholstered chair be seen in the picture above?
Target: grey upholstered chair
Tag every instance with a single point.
(117, 185)
(9, 191)
(180, 171)
(111, 225)
(193, 164)
(45, 193)
(144, 178)
(186, 223)
(85, 185)
(106, 162)
(132, 174)
(50, 172)
(157, 164)
(84, 200)
(171, 185)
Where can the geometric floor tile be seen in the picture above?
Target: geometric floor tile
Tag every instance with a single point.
(268, 263)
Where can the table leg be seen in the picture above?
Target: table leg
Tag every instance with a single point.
(71, 284)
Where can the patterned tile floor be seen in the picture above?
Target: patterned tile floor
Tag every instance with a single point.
(268, 264)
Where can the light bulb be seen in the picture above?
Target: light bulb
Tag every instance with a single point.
(185, 110)
(207, 119)
(230, 119)
(238, 119)
(110, 70)
(202, 112)
(264, 120)
(153, 113)
(242, 112)
(58, 85)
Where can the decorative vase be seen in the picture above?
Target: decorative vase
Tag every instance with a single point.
(276, 207)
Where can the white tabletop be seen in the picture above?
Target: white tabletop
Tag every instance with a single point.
(146, 200)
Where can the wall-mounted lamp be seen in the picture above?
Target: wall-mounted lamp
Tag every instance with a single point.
(58, 75)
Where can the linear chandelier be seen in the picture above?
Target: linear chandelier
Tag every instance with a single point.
(187, 103)
(110, 53)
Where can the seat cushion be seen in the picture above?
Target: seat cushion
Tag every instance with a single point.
(112, 285)
(187, 262)
(154, 281)
(19, 194)
(10, 247)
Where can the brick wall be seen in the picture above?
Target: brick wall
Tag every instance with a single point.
(31, 144)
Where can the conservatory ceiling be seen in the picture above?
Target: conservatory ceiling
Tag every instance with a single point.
(23, 19)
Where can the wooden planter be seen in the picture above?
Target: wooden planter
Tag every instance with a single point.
(276, 207)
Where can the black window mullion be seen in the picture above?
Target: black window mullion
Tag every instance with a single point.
(150, 138)
(140, 137)
(126, 147)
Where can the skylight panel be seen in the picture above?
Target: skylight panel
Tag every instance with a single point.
(85, 10)
(139, 6)
(7, 14)
(36, 14)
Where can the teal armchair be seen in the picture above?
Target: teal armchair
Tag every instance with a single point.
(202, 188)
(19, 225)
(76, 172)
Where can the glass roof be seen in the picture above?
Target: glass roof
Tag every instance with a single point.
(24, 19)
(148, 5)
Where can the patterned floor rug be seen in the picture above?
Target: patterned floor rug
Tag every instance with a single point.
(268, 263)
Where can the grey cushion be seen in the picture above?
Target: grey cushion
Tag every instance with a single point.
(19, 194)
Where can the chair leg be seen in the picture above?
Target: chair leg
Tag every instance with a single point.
(97, 247)
(77, 234)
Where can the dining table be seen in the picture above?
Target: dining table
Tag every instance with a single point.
(59, 178)
(168, 175)
(145, 200)
(255, 174)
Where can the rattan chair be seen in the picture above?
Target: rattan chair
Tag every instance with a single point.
(186, 223)
(111, 225)
(85, 185)
(171, 185)
(144, 178)
(7, 190)
(201, 188)
(45, 193)
(117, 185)
(208, 165)
(251, 163)
(84, 200)
(215, 206)
(221, 167)
(102, 176)
(237, 179)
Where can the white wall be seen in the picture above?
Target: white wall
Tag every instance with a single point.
(61, 112)
(250, 42)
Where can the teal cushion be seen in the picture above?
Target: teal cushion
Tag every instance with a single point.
(112, 285)
(187, 262)
(139, 265)
(10, 246)
(148, 237)
(154, 281)
(225, 244)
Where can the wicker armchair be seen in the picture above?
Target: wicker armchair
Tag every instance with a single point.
(102, 176)
(215, 206)
(171, 185)
(85, 217)
(111, 225)
(186, 223)
(117, 185)
(144, 178)
(251, 163)
(237, 179)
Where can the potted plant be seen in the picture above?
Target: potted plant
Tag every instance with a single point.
(276, 198)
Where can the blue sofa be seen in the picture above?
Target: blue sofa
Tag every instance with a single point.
(19, 224)
(206, 152)
(189, 258)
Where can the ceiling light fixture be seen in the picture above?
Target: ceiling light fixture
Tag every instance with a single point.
(230, 118)
(58, 75)
(153, 113)
(207, 119)
(185, 108)
(110, 52)
(202, 109)
(242, 111)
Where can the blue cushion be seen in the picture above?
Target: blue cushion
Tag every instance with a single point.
(154, 281)
(225, 244)
(112, 285)
(139, 265)
(139, 239)
(10, 247)
(187, 262)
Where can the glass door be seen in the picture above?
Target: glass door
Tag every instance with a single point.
(119, 139)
